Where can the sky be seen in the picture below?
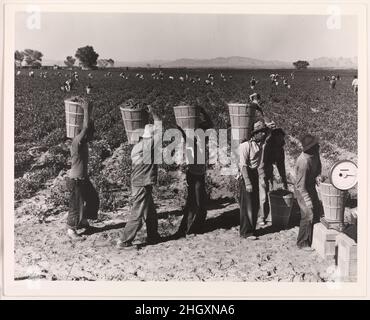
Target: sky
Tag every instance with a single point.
(141, 37)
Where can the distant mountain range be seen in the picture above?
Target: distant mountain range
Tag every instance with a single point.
(233, 62)
(336, 63)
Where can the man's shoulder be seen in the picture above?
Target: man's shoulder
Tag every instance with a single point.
(304, 159)
(277, 132)
(138, 147)
(245, 145)
(301, 158)
(75, 144)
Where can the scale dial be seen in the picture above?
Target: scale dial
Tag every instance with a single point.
(343, 175)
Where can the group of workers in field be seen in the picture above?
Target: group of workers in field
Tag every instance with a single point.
(257, 157)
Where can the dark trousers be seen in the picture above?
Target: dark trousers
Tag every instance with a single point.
(195, 209)
(249, 205)
(264, 209)
(143, 208)
(308, 217)
(83, 202)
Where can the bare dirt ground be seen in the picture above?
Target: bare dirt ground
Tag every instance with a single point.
(43, 251)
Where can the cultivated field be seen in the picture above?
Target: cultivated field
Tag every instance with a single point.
(41, 162)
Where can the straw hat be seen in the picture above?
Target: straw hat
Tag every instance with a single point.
(254, 96)
(270, 124)
(258, 126)
(308, 141)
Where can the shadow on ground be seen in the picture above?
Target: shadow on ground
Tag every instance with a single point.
(92, 230)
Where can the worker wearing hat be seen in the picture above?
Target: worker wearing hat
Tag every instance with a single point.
(253, 82)
(256, 103)
(250, 155)
(332, 82)
(355, 84)
(143, 176)
(195, 212)
(307, 169)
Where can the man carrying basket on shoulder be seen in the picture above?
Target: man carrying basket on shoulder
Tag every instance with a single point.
(144, 175)
(84, 200)
(195, 212)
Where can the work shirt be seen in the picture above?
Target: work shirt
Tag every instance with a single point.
(307, 168)
(79, 158)
(250, 154)
(144, 170)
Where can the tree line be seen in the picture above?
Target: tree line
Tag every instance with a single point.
(86, 56)
(88, 59)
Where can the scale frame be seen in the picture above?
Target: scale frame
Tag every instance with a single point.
(335, 166)
(338, 225)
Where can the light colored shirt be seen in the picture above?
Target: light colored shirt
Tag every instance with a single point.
(307, 168)
(355, 82)
(144, 170)
(143, 173)
(250, 154)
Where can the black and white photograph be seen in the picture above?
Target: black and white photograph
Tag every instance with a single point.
(185, 147)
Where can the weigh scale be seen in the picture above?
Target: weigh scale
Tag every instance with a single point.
(343, 176)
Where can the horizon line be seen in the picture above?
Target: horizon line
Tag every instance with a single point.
(214, 58)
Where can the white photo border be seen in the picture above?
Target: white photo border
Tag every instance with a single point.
(178, 290)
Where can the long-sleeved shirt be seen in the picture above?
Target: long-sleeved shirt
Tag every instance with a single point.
(250, 154)
(79, 159)
(144, 167)
(307, 168)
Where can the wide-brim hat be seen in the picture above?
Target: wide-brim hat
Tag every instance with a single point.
(259, 126)
(148, 131)
(270, 124)
(308, 141)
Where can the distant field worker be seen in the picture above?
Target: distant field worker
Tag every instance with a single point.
(307, 170)
(84, 200)
(256, 102)
(332, 82)
(273, 154)
(143, 176)
(355, 84)
(195, 211)
(250, 153)
(67, 86)
(252, 83)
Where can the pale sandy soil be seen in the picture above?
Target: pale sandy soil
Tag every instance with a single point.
(43, 250)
